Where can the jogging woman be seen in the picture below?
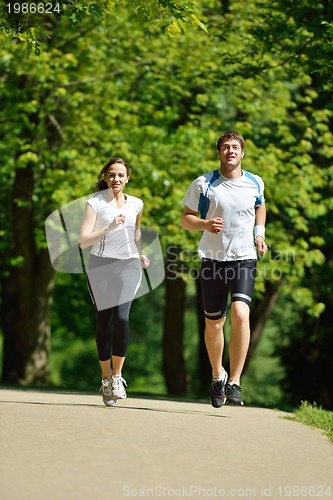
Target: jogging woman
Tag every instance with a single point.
(111, 224)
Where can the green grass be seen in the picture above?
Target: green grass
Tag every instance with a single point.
(314, 416)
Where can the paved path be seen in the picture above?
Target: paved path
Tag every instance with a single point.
(62, 446)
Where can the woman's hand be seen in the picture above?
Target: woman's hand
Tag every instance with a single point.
(144, 261)
(117, 221)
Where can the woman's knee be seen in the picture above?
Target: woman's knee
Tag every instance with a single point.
(121, 316)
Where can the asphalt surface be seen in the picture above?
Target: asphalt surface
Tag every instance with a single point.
(69, 446)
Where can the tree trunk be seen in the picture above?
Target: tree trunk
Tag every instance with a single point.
(26, 293)
(308, 356)
(205, 371)
(173, 351)
(259, 315)
(309, 359)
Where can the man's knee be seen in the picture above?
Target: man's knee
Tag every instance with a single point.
(214, 326)
(240, 312)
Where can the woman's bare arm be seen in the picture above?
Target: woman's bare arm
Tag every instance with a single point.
(87, 234)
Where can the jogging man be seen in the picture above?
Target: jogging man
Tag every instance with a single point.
(233, 215)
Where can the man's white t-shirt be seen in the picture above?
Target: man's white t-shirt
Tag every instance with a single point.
(235, 200)
(120, 242)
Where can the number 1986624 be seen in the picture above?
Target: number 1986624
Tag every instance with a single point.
(33, 8)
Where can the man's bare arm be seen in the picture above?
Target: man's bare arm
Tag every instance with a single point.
(192, 222)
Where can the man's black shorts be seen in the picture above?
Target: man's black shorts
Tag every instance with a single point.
(218, 279)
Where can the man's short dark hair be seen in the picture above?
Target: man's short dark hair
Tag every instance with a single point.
(230, 134)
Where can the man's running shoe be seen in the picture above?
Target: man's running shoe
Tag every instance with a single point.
(107, 394)
(233, 395)
(217, 394)
(118, 387)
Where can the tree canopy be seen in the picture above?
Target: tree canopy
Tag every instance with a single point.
(30, 22)
(157, 82)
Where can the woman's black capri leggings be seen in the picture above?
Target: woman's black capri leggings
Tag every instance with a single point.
(113, 284)
(112, 331)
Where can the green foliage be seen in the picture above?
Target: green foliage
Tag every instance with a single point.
(76, 366)
(314, 416)
(263, 381)
(29, 23)
(114, 84)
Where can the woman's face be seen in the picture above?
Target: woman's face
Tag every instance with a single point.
(116, 177)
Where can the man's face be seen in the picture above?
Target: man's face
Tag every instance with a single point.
(230, 153)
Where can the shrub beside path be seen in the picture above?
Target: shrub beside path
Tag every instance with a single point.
(69, 446)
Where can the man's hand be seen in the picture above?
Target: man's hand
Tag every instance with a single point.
(215, 225)
(261, 245)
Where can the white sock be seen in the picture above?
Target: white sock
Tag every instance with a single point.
(219, 377)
